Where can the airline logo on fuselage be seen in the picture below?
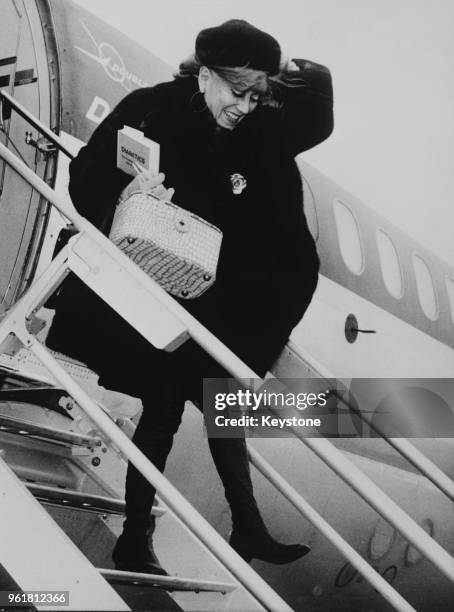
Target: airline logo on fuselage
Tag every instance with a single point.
(112, 62)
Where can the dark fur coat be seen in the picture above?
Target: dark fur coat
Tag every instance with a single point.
(268, 265)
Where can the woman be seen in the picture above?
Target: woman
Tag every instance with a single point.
(229, 127)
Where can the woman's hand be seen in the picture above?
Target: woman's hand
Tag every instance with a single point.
(146, 181)
(289, 65)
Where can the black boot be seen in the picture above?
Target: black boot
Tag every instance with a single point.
(253, 545)
(134, 552)
(134, 549)
(250, 537)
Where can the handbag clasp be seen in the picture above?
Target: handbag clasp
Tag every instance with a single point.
(182, 222)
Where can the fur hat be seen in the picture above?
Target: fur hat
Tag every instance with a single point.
(237, 43)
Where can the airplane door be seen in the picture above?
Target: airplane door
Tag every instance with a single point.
(9, 43)
(24, 75)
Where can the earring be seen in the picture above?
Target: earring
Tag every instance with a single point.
(196, 104)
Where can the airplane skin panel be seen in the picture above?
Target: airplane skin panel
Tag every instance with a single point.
(99, 67)
(369, 283)
(396, 350)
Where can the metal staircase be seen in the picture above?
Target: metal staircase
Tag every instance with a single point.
(53, 556)
(91, 521)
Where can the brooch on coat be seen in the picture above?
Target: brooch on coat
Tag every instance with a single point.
(239, 183)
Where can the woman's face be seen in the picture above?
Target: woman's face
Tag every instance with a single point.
(229, 103)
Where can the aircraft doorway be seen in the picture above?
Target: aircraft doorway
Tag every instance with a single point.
(24, 75)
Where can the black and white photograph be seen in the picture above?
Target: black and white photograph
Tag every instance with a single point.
(226, 305)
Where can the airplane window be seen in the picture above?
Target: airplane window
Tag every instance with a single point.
(450, 288)
(426, 291)
(349, 237)
(390, 267)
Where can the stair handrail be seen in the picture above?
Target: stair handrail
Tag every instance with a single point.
(323, 448)
(35, 122)
(373, 577)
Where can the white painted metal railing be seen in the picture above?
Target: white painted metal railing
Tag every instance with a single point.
(101, 266)
(32, 120)
(356, 560)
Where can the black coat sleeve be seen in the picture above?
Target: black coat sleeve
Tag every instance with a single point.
(306, 105)
(95, 182)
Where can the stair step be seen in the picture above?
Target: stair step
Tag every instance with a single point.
(50, 434)
(141, 598)
(170, 583)
(44, 396)
(84, 501)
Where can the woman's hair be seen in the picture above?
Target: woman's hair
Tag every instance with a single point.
(245, 77)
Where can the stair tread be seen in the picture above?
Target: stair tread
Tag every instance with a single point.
(174, 583)
(64, 437)
(140, 598)
(88, 501)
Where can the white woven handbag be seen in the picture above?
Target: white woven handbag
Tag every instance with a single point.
(175, 247)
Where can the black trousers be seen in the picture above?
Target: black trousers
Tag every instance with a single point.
(163, 381)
